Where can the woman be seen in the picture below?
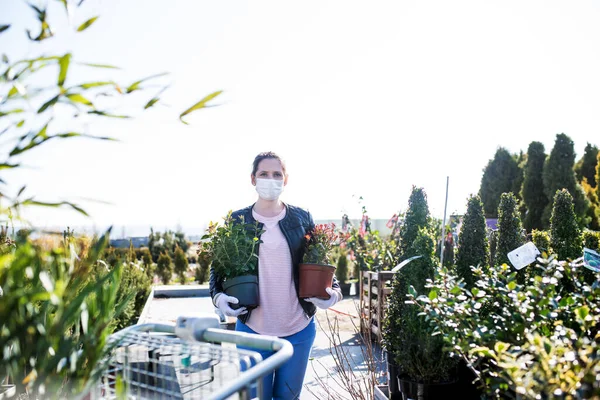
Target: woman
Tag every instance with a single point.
(281, 312)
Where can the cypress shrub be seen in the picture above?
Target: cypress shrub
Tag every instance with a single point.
(164, 268)
(510, 231)
(565, 236)
(417, 217)
(499, 176)
(472, 241)
(533, 195)
(181, 264)
(341, 272)
(559, 174)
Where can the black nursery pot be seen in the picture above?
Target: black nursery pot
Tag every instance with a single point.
(427, 391)
(245, 289)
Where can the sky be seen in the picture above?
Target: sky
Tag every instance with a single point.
(359, 98)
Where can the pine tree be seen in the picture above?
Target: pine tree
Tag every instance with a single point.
(533, 195)
(559, 174)
(417, 216)
(472, 241)
(181, 264)
(131, 257)
(502, 174)
(598, 176)
(586, 166)
(164, 268)
(565, 236)
(510, 231)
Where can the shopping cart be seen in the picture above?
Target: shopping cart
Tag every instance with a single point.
(192, 359)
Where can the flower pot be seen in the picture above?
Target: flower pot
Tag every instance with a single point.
(245, 289)
(427, 391)
(314, 279)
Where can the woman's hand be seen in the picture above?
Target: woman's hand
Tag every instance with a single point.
(325, 304)
(222, 302)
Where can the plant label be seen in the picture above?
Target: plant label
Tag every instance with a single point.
(591, 259)
(524, 255)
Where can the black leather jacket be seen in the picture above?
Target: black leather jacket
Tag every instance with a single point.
(296, 223)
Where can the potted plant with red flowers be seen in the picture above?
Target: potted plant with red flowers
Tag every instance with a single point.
(316, 271)
(232, 251)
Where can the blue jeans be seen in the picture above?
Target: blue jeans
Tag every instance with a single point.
(286, 381)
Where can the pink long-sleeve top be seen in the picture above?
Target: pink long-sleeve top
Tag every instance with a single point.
(279, 313)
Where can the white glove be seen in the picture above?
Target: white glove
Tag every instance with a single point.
(325, 304)
(222, 302)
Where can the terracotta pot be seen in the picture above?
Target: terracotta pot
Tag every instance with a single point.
(314, 279)
(245, 289)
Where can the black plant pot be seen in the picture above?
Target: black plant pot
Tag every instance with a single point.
(467, 389)
(345, 287)
(245, 289)
(393, 389)
(428, 391)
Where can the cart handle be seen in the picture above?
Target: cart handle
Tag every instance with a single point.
(282, 349)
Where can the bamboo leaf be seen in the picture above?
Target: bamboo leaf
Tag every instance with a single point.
(90, 85)
(49, 103)
(199, 105)
(64, 66)
(14, 111)
(8, 166)
(5, 59)
(99, 65)
(152, 102)
(21, 190)
(32, 202)
(136, 85)
(77, 98)
(3, 28)
(105, 114)
(86, 24)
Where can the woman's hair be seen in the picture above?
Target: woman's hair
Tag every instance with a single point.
(265, 155)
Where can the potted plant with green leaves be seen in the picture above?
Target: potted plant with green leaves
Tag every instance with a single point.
(316, 271)
(232, 250)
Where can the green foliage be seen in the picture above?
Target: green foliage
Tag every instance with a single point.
(134, 283)
(500, 325)
(472, 241)
(416, 217)
(341, 271)
(54, 319)
(181, 264)
(493, 241)
(541, 240)
(407, 336)
(558, 174)
(593, 213)
(532, 192)
(565, 236)
(319, 244)
(232, 247)
(586, 166)
(510, 231)
(501, 175)
(598, 177)
(164, 268)
(591, 240)
(201, 273)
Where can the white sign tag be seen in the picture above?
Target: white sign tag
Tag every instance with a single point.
(524, 255)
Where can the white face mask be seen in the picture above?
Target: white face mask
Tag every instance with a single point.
(269, 189)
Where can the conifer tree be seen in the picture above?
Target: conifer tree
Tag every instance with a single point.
(559, 174)
(472, 241)
(533, 195)
(510, 230)
(502, 174)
